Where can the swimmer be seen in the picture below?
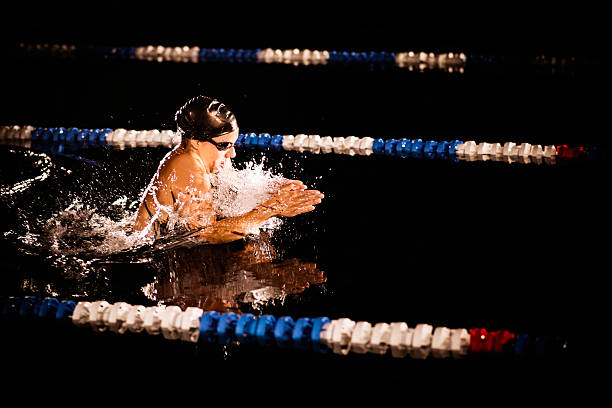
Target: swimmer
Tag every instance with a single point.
(183, 180)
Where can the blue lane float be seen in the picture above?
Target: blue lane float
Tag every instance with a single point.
(226, 328)
(27, 305)
(48, 308)
(302, 332)
(390, 146)
(283, 332)
(69, 137)
(65, 309)
(315, 337)
(416, 148)
(378, 146)
(246, 329)
(208, 326)
(265, 330)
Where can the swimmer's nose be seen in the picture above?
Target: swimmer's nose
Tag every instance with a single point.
(231, 153)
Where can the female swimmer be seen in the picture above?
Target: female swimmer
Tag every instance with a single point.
(182, 182)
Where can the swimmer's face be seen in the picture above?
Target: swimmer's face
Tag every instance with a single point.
(219, 159)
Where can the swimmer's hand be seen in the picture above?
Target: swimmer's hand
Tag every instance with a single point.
(292, 199)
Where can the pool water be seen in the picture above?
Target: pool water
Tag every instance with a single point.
(394, 240)
(456, 244)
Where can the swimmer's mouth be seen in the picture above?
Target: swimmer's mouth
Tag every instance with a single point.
(221, 165)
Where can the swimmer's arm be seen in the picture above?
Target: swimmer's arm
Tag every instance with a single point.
(235, 228)
(290, 200)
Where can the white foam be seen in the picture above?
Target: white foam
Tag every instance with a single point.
(237, 192)
(80, 230)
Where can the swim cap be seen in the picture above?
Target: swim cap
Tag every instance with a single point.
(203, 118)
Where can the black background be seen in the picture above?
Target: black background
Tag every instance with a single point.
(459, 244)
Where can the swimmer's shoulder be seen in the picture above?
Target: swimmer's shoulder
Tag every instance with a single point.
(184, 169)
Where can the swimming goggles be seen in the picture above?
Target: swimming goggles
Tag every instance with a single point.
(221, 146)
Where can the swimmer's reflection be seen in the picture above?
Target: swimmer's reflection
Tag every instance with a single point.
(230, 277)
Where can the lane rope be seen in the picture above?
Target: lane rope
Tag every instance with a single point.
(417, 61)
(60, 139)
(320, 334)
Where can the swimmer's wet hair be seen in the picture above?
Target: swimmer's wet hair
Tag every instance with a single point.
(203, 118)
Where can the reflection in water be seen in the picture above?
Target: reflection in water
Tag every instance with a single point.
(226, 277)
(245, 275)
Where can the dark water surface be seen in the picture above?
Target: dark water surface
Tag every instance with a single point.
(456, 244)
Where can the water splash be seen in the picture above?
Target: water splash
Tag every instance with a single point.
(79, 230)
(237, 191)
(85, 231)
(42, 162)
